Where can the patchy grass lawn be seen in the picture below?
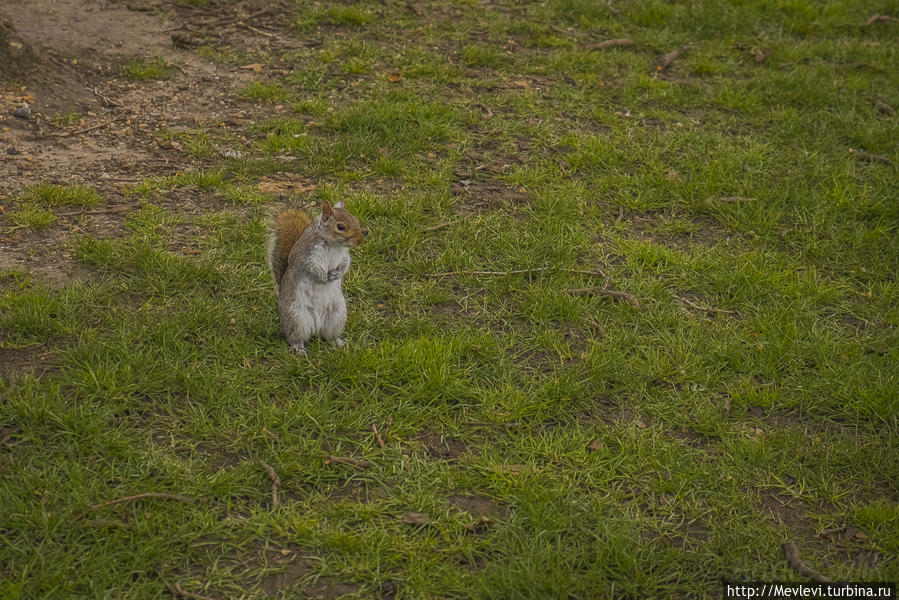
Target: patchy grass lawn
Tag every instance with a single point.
(556, 440)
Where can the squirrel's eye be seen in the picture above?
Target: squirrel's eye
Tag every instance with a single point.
(341, 227)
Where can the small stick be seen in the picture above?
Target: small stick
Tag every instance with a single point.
(440, 226)
(276, 481)
(883, 107)
(83, 212)
(91, 128)
(598, 271)
(620, 214)
(163, 495)
(232, 18)
(832, 530)
(792, 553)
(602, 291)
(708, 309)
(181, 592)
(378, 437)
(874, 18)
(669, 58)
(274, 436)
(255, 30)
(349, 461)
(515, 272)
(871, 157)
(612, 43)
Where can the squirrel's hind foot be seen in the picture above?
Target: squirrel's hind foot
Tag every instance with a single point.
(298, 349)
(338, 342)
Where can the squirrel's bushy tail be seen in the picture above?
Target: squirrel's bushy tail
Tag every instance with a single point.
(285, 230)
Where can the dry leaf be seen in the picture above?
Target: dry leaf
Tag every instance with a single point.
(255, 67)
(394, 77)
(415, 518)
(596, 444)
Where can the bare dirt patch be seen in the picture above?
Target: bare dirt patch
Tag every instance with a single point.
(440, 446)
(90, 124)
(478, 506)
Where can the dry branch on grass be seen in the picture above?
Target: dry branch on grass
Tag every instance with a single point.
(867, 156)
(705, 308)
(440, 226)
(618, 42)
(668, 59)
(792, 554)
(883, 18)
(161, 495)
(378, 437)
(596, 271)
(881, 105)
(604, 291)
(276, 481)
(177, 589)
(356, 463)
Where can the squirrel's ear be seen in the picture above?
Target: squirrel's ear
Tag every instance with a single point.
(339, 204)
(326, 209)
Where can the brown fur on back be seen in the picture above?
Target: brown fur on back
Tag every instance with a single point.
(286, 230)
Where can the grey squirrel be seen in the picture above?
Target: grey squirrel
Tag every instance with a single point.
(308, 260)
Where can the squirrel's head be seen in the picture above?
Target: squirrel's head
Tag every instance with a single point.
(343, 228)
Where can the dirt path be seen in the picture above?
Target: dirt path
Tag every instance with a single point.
(116, 138)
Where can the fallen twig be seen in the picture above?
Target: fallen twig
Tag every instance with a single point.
(597, 271)
(182, 592)
(832, 530)
(611, 43)
(440, 226)
(91, 128)
(792, 553)
(276, 481)
(735, 199)
(883, 107)
(103, 99)
(256, 30)
(84, 212)
(705, 308)
(162, 495)
(861, 154)
(620, 214)
(378, 437)
(876, 17)
(349, 461)
(667, 59)
(604, 291)
(236, 18)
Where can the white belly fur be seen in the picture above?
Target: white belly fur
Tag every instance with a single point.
(315, 308)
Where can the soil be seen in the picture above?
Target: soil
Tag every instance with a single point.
(64, 56)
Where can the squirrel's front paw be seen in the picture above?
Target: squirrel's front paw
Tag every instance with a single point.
(335, 274)
(298, 349)
(339, 342)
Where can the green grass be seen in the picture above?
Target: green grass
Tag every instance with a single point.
(33, 208)
(146, 69)
(615, 451)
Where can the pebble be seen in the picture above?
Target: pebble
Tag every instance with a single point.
(13, 150)
(22, 112)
